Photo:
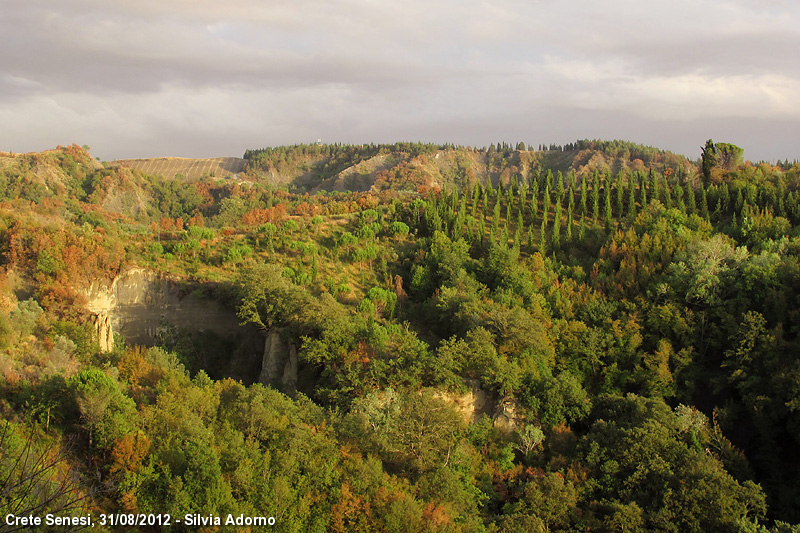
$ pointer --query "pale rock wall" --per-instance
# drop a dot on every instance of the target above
(279, 363)
(476, 402)
(139, 301)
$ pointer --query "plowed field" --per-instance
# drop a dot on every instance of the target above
(169, 167)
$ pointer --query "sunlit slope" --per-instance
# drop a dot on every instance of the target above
(191, 169)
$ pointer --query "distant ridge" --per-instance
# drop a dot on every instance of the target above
(191, 169)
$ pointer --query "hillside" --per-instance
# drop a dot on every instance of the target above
(185, 168)
(408, 337)
(408, 166)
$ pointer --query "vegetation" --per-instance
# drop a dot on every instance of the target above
(631, 318)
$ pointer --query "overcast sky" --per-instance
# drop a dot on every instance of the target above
(202, 78)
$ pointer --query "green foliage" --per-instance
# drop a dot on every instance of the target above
(453, 381)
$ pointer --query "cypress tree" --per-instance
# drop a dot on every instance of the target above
(546, 202)
(571, 180)
(530, 239)
(655, 192)
(543, 237)
(679, 202)
(470, 237)
(643, 191)
(557, 213)
(494, 230)
(792, 207)
(620, 190)
(569, 225)
(631, 202)
(560, 186)
(595, 197)
(667, 195)
(703, 202)
(571, 201)
(584, 194)
(556, 236)
(725, 197)
(691, 202)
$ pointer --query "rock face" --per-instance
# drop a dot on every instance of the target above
(105, 335)
(279, 363)
(472, 404)
(140, 303)
(507, 415)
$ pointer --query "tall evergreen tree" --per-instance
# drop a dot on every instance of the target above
(642, 191)
(595, 196)
(710, 160)
(584, 196)
(530, 239)
(679, 202)
(691, 203)
(655, 190)
(667, 195)
(543, 236)
(631, 202)
(546, 199)
(703, 202)
(570, 223)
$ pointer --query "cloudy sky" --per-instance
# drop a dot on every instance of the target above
(202, 78)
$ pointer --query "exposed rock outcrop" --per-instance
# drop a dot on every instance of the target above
(507, 416)
(476, 402)
(139, 304)
(105, 334)
(279, 363)
(472, 404)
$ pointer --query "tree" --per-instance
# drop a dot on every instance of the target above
(416, 430)
(595, 196)
(729, 156)
(36, 479)
(710, 160)
(268, 298)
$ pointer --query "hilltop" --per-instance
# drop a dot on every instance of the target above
(408, 166)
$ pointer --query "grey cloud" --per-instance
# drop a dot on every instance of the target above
(196, 77)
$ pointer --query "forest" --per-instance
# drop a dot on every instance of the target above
(599, 336)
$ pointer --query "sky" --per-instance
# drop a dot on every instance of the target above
(202, 78)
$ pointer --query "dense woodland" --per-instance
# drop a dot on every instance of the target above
(637, 312)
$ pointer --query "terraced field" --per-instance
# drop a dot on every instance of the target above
(169, 167)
